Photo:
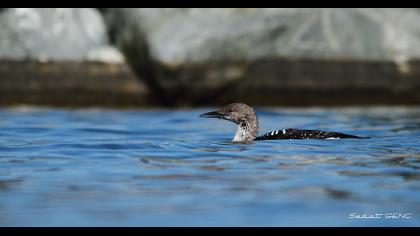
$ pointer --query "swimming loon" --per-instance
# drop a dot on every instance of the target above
(246, 119)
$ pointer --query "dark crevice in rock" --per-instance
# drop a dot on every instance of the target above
(129, 38)
(142, 64)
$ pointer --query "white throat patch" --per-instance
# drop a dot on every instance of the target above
(240, 134)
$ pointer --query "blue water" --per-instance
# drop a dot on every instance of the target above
(96, 167)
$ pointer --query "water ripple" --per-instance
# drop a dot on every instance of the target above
(166, 167)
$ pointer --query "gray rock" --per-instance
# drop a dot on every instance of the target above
(62, 57)
(54, 34)
(218, 55)
(106, 53)
(178, 36)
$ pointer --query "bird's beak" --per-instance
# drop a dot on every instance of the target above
(212, 114)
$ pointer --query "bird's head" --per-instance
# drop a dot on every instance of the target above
(238, 113)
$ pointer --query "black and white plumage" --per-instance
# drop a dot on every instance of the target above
(246, 119)
(303, 134)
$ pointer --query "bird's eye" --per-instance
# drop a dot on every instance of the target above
(230, 110)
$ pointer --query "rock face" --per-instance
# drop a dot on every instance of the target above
(177, 36)
(55, 34)
(221, 54)
(200, 35)
(63, 57)
(212, 56)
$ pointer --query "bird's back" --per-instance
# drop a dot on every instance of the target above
(303, 134)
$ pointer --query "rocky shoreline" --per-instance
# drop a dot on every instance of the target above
(299, 83)
(71, 84)
(192, 57)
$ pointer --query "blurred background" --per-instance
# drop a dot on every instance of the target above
(199, 57)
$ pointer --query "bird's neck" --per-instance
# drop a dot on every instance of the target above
(247, 130)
